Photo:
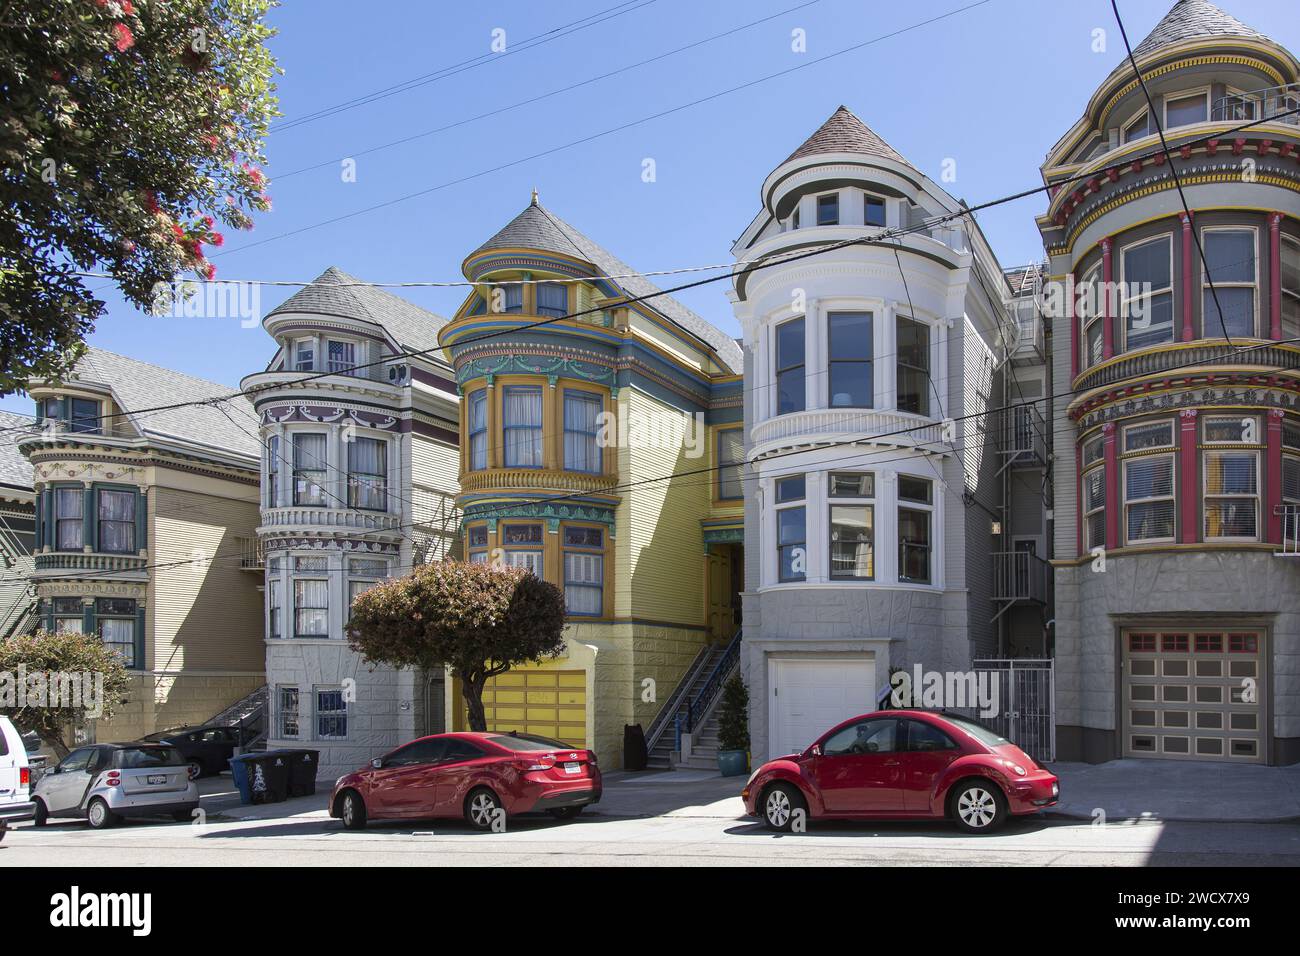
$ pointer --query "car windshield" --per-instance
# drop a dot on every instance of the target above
(978, 731)
(140, 758)
(527, 742)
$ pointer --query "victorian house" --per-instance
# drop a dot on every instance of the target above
(357, 420)
(1177, 451)
(143, 533)
(877, 514)
(600, 446)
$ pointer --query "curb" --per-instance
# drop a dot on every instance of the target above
(1149, 817)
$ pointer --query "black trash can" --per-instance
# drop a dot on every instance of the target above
(302, 772)
(634, 752)
(268, 777)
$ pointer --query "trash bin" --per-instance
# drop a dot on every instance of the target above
(239, 776)
(634, 750)
(302, 772)
(268, 776)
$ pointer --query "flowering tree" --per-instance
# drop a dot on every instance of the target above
(478, 619)
(50, 681)
(129, 130)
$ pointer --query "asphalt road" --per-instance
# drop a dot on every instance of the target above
(697, 836)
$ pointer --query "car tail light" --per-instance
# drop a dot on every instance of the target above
(113, 778)
(544, 762)
(24, 777)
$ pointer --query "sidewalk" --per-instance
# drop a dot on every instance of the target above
(1176, 790)
(219, 799)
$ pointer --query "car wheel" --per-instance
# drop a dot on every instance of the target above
(565, 813)
(99, 816)
(481, 808)
(42, 815)
(781, 802)
(195, 769)
(978, 806)
(352, 810)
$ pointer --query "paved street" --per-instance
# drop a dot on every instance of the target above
(675, 819)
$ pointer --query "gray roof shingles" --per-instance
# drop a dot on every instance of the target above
(15, 469)
(843, 132)
(334, 292)
(1193, 19)
(538, 228)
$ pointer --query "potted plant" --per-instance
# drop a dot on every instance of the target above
(733, 728)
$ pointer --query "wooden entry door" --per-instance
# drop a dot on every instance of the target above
(724, 580)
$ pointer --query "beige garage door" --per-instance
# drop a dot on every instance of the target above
(547, 703)
(1194, 694)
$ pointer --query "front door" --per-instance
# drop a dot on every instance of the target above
(860, 769)
(721, 615)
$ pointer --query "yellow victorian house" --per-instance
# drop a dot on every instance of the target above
(601, 446)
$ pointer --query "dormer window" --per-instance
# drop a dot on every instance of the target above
(1137, 127)
(828, 210)
(552, 299)
(341, 357)
(1186, 110)
(873, 212)
(76, 414)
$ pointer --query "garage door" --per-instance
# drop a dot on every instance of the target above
(548, 703)
(1194, 694)
(809, 697)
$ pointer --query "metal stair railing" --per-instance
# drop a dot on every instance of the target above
(699, 708)
(666, 713)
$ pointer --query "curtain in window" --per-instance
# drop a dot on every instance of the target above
(731, 451)
(117, 522)
(309, 469)
(478, 430)
(552, 299)
(342, 357)
(68, 511)
(311, 608)
(523, 427)
(367, 473)
(119, 635)
(584, 583)
(580, 427)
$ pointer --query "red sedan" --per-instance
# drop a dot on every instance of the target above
(902, 764)
(484, 777)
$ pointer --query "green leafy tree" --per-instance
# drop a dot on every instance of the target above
(733, 715)
(478, 619)
(55, 693)
(129, 130)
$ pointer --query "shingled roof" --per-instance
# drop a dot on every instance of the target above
(138, 385)
(1193, 19)
(15, 469)
(538, 228)
(845, 133)
(336, 293)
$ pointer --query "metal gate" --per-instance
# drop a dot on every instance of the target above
(1026, 703)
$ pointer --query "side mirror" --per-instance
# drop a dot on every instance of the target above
(377, 763)
(815, 750)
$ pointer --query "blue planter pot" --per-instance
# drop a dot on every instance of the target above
(733, 763)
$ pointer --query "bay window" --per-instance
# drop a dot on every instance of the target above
(913, 358)
(85, 415)
(581, 428)
(852, 525)
(522, 430)
(584, 570)
(115, 620)
(1094, 494)
(341, 358)
(552, 299)
(368, 474)
(1148, 298)
(1228, 283)
(274, 600)
(1231, 494)
(731, 459)
(273, 471)
(791, 529)
(69, 615)
(478, 434)
(828, 210)
(477, 540)
(69, 505)
(309, 480)
(522, 545)
(1290, 288)
(873, 211)
(304, 355)
(1186, 110)
(364, 574)
(1149, 498)
(311, 597)
(513, 297)
(849, 351)
(1137, 127)
(1090, 317)
(916, 500)
(790, 346)
(116, 521)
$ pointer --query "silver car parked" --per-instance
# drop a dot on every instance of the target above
(103, 783)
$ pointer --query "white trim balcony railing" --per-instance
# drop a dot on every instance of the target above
(250, 553)
(1290, 546)
(1019, 576)
(82, 564)
(826, 425)
(301, 518)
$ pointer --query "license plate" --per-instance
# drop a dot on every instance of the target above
(157, 778)
(573, 768)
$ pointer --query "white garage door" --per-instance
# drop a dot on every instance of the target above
(810, 696)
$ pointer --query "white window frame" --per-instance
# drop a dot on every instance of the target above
(1098, 465)
(296, 354)
(853, 501)
(1128, 124)
(777, 368)
(368, 578)
(1220, 448)
(839, 207)
(1203, 92)
(1171, 497)
(1086, 322)
(1253, 285)
(1290, 329)
(281, 712)
(317, 713)
(907, 504)
(296, 575)
(1125, 298)
(867, 197)
(777, 508)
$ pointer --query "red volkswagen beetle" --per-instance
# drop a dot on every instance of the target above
(475, 775)
(902, 764)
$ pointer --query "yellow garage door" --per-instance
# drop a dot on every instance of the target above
(547, 703)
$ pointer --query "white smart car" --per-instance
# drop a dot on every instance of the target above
(102, 783)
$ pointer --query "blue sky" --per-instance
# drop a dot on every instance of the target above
(991, 88)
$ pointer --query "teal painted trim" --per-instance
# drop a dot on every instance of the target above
(552, 510)
(139, 638)
(724, 535)
(141, 520)
(87, 618)
(89, 512)
(530, 365)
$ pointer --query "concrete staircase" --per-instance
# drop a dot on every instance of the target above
(661, 753)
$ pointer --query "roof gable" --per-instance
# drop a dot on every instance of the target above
(1193, 19)
(843, 132)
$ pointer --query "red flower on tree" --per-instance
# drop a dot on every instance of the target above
(123, 39)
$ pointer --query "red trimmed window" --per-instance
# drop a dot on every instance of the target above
(1141, 642)
(1243, 643)
(1174, 642)
(1209, 643)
